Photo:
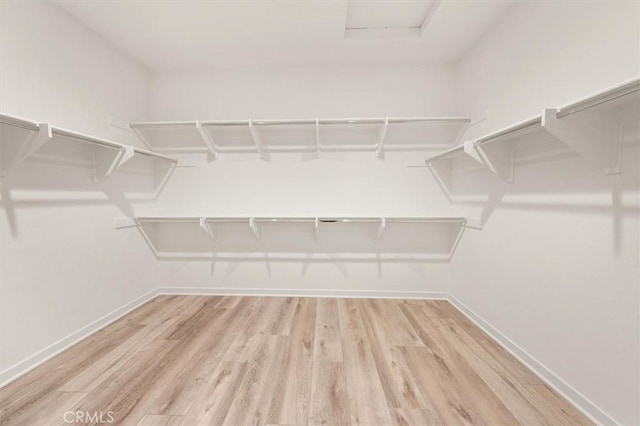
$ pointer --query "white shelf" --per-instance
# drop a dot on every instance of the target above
(22, 139)
(315, 135)
(594, 127)
(361, 238)
(173, 136)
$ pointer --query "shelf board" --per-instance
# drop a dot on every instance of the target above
(303, 135)
(173, 136)
(22, 139)
(594, 127)
(425, 238)
(622, 95)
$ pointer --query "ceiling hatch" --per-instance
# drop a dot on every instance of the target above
(388, 18)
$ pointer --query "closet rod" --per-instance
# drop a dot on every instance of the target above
(599, 98)
(306, 219)
(19, 122)
(154, 155)
(85, 138)
(446, 152)
(516, 128)
(107, 144)
(161, 123)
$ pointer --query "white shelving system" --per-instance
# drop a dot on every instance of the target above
(315, 135)
(582, 125)
(420, 238)
(21, 139)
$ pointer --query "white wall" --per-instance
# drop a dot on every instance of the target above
(556, 268)
(294, 185)
(63, 265)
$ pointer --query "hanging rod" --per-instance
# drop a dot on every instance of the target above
(227, 122)
(599, 98)
(429, 119)
(19, 122)
(445, 153)
(305, 219)
(102, 142)
(85, 138)
(153, 154)
(286, 219)
(303, 121)
(161, 123)
(508, 131)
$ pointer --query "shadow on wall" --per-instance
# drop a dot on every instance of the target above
(63, 176)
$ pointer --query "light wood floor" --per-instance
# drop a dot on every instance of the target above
(197, 360)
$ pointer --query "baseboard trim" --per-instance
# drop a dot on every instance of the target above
(582, 403)
(12, 373)
(355, 294)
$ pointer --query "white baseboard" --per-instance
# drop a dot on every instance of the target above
(369, 294)
(583, 404)
(28, 364)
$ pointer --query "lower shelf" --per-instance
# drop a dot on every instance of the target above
(302, 238)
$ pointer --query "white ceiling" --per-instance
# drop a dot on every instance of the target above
(227, 34)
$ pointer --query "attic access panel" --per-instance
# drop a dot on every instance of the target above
(388, 18)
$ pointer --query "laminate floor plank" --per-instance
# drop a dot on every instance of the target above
(265, 367)
(292, 406)
(396, 378)
(367, 401)
(54, 405)
(156, 420)
(415, 417)
(327, 343)
(477, 396)
(329, 400)
(88, 379)
(212, 404)
(294, 361)
(25, 392)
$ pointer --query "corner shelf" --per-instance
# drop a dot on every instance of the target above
(429, 238)
(22, 139)
(585, 126)
(314, 136)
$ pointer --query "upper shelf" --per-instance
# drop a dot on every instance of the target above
(22, 139)
(302, 135)
(594, 127)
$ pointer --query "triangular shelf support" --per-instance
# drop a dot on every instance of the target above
(206, 227)
(108, 161)
(590, 144)
(19, 154)
(498, 158)
(254, 227)
(257, 140)
(381, 137)
(383, 224)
